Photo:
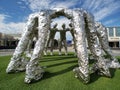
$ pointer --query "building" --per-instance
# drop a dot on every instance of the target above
(114, 36)
(8, 41)
(11, 40)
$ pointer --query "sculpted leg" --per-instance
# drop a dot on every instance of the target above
(60, 47)
(103, 38)
(17, 63)
(28, 50)
(51, 46)
(33, 38)
(95, 47)
(72, 33)
(33, 70)
(82, 72)
(47, 44)
(65, 45)
(46, 47)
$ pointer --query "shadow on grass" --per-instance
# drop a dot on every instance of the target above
(61, 63)
(118, 59)
(56, 58)
(49, 75)
(94, 77)
(112, 71)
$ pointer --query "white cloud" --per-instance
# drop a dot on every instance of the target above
(11, 27)
(110, 7)
(37, 5)
(111, 21)
(19, 2)
(100, 8)
(64, 4)
(2, 17)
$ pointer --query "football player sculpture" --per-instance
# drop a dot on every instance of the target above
(62, 41)
(50, 40)
(84, 28)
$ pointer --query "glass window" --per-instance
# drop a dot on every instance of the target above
(111, 32)
(117, 31)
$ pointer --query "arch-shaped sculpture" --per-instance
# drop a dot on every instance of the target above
(83, 27)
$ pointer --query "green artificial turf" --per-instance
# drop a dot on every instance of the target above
(58, 76)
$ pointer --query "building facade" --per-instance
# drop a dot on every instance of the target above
(8, 41)
(12, 39)
(114, 36)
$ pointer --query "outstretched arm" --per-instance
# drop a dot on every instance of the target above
(71, 26)
(55, 26)
(64, 26)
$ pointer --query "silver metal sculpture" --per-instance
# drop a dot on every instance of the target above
(84, 27)
(63, 39)
(103, 39)
(72, 33)
(50, 40)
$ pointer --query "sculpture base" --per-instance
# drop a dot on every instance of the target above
(33, 74)
(17, 65)
(81, 76)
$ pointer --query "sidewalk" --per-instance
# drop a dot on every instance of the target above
(5, 52)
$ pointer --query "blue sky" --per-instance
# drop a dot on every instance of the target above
(14, 13)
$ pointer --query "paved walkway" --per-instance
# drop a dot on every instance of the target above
(6, 52)
(116, 52)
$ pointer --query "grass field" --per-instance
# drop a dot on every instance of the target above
(58, 76)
